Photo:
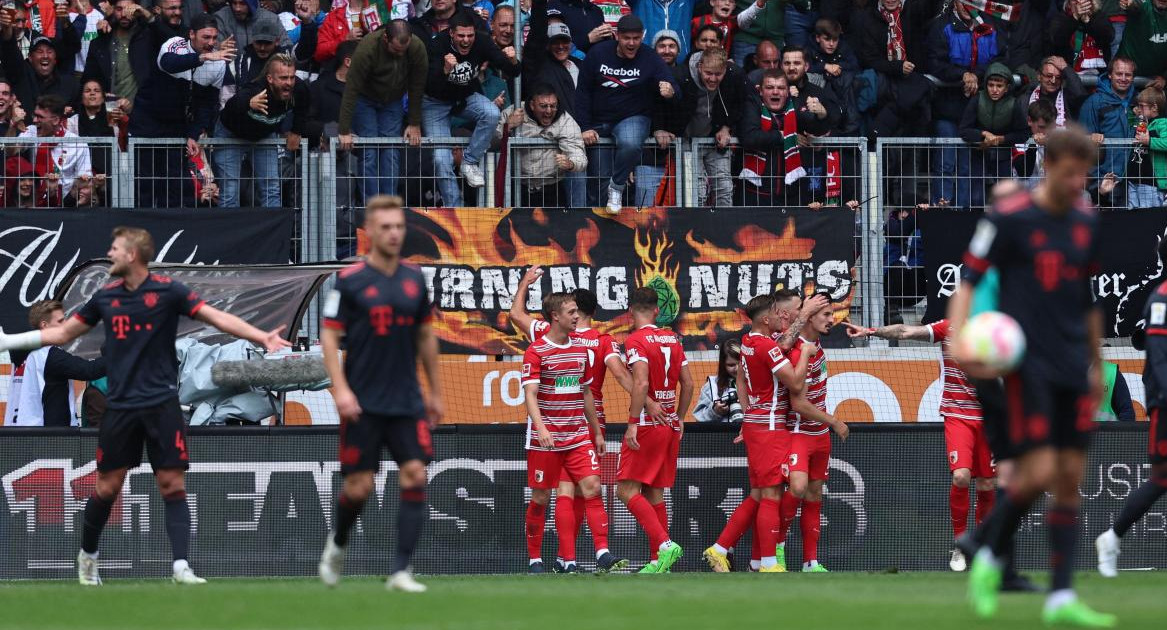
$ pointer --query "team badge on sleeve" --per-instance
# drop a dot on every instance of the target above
(1158, 314)
(526, 370)
(775, 354)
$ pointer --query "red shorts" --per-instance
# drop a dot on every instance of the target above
(545, 467)
(968, 447)
(766, 454)
(810, 454)
(654, 464)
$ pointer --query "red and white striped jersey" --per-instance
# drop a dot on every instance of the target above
(959, 400)
(560, 371)
(599, 346)
(767, 401)
(661, 350)
(816, 390)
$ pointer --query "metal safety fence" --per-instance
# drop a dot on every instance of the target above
(885, 185)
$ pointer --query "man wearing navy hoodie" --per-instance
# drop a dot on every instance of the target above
(618, 86)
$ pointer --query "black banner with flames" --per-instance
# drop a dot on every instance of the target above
(704, 264)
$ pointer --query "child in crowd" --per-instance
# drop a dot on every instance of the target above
(723, 18)
(991, 122)
(833, 58)
(1147, 169)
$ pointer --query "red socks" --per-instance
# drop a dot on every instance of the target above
(565, 526)
(597, 521)
(647, 517)
(985, 501)
(536, 517)
(789, 509)
(579, 508)
(958, 509)
(768, 523)
(812, 512)
(741, 520)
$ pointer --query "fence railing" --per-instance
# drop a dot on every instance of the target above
(328, 186)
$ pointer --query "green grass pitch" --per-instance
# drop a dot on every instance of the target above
(931, 601)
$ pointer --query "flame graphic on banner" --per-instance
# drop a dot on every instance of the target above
(658, 269)
(785, 246)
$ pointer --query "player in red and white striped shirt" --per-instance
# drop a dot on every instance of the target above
(772, 389)
(969, 456)
(604, 357)
(648, 462)
(561, 410)
(810, 445)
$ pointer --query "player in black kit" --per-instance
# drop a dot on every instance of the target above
(1155, 383)
(140, 310)
(1044, 245)
(382, 309)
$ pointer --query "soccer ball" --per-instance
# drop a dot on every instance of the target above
(993, 339)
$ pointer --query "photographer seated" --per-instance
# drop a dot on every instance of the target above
(718, 401)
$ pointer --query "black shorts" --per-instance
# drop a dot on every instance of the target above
(360, 442)
(1156, 438)
(123, 431)
(1041, 413)
(991, 395)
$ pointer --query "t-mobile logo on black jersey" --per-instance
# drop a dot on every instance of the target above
(618, 77)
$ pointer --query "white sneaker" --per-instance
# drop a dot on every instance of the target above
(183, 574)
(473, 175)
(331, 562)
(403, 581)
(957, 562)
(615, 200)
(1107, 546)
(87, 570)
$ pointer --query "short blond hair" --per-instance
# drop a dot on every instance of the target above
(138, 239)
(384, 202)
(42, 311)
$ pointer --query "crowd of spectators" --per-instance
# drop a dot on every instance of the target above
(759, 81)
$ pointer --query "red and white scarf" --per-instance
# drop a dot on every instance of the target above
(44, 162)
(1059, 105)
(754, 162)
(1005, 10)
(895, 34)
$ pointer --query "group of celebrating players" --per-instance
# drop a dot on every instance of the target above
(1032, 257)
(785, 429)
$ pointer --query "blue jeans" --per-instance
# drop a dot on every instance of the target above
(379, 167)
(950, 171)
(576, 184)
(799, 26)
(435, 122)
(741, 50)
(1143, 196)
(265, 169)
(647, 183)
(615, 165)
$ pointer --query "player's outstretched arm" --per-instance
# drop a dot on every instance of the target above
(232, 325)
(520, 319)
(902, 332)
(428, 351)
(810, 306)
(347, 405)
(33, 339)
(61, 335)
